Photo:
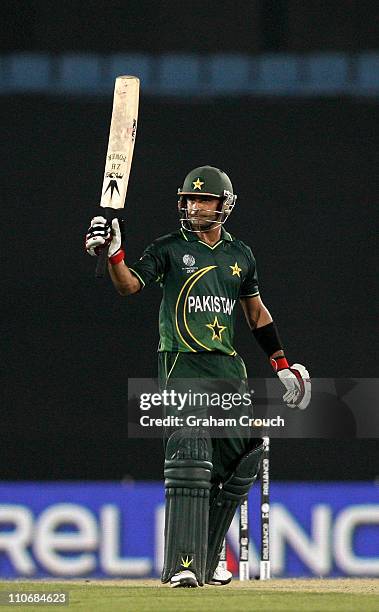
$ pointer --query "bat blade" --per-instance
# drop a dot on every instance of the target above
(122, 135)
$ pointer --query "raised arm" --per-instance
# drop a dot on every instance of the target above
(100, 234)
(123, 279)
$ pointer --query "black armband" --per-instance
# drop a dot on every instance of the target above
(268, 338)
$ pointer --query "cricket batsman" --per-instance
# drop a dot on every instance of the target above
(203, 271)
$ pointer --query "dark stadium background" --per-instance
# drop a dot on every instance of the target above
(304, 170)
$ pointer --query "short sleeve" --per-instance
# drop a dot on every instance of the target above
(151, 266)
(249, 285)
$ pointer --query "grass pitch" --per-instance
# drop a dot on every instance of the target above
(324, 595)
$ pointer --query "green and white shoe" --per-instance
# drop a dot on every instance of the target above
(220, 577)
(184, 579)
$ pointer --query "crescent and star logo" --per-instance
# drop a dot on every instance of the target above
(187, 304)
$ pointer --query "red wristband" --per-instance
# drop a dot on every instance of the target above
(279, 363)
(117, 257)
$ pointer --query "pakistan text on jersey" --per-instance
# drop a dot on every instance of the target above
(210, 303)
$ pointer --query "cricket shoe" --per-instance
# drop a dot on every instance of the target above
(186, 579)
(220, 577)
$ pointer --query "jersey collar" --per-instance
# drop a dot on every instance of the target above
(192, 237)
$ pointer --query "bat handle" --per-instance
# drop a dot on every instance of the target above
(102, 262)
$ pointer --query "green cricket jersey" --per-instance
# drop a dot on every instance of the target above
(201, 287)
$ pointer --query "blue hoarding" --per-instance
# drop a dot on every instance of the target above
(106, 529)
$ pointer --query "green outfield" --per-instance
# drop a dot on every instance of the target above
(340, 595)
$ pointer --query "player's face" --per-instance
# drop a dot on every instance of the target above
(202, 211)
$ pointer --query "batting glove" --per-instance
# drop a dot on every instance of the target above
(116, 252)
(98, 236)
(296, 380)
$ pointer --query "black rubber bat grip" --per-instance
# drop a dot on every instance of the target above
(102, 262)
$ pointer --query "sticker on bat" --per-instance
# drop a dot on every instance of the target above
(116, 175)
(119, 156)
(112, 186)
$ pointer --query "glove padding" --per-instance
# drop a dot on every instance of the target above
(297, 382)
(100, 234)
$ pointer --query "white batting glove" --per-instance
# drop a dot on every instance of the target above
(98, 236)
(115, 245)
(297, 382)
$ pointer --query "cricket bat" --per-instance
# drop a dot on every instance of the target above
(118, 162)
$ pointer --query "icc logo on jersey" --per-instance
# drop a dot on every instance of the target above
(189, 260)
